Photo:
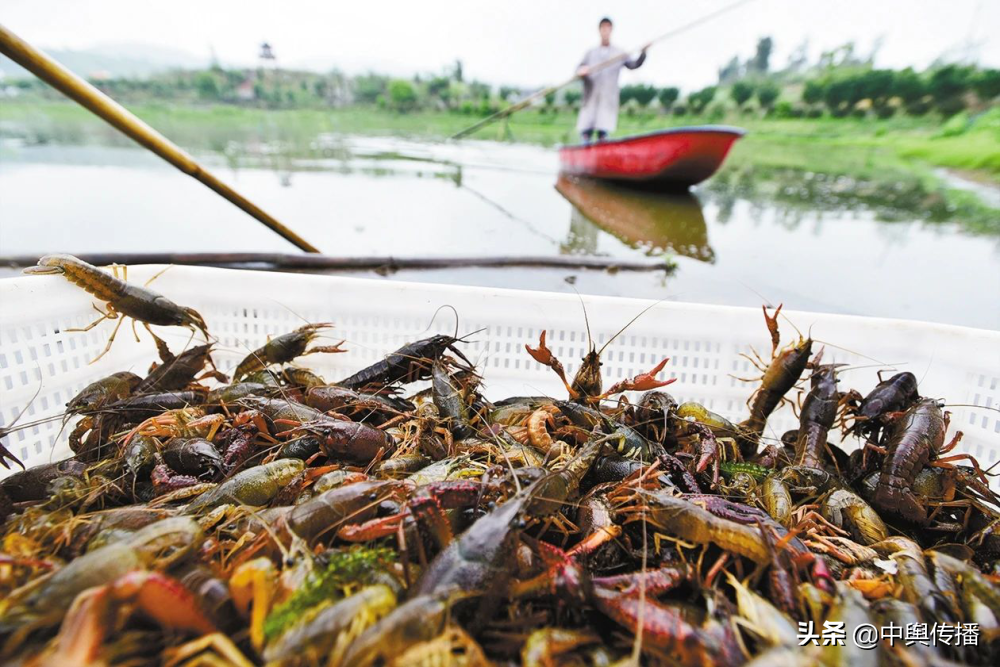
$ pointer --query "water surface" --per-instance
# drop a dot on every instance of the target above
(813, 241)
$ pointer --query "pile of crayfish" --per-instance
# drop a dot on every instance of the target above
(271, 516)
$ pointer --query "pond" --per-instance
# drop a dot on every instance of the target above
(752, 234)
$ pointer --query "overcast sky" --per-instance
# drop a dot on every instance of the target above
(526, 42)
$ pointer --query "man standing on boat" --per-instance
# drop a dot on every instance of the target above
(599, 113)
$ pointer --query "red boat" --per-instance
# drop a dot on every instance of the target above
(668, 160)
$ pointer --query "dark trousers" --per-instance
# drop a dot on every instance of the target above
(588, 135)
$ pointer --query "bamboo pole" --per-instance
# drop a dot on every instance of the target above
(385, 264)
(514, 108)
(69, 84)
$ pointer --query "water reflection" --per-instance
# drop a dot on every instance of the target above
(648, 221)
(803, 196)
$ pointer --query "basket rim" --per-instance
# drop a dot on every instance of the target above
(140, 270)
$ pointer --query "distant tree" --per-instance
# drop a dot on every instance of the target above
(437, 86)
(767, 93)
(639, 92)
(799, 58)
(813, 91)
(986, 83)
(478, 90)
(457, 72)
(697, 101)
(402, 95)
(762, 58)
(947, 86)
(207, 86)
(731, 71)
(741, 92)
(842, 56)
(838, 94)
(908, 86)
(572, 96)
(506, 92)
(876, 85)
(320, 87)
(368, 87)
(668, 96)
(550, 98)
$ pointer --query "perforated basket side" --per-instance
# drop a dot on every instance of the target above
(705, 344)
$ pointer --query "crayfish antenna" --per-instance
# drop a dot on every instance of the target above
(434, 316)
(586, 320)
(630, 323)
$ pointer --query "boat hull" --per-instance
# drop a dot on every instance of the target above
(668, 160)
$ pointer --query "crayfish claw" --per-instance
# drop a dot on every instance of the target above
(772, 327)
(542, 354)
(642, 381)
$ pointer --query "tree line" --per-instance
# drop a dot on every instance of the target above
(840, 83)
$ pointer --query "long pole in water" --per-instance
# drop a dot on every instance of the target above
(517, 106)
(69, 84)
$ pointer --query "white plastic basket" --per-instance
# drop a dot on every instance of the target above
(704, 343)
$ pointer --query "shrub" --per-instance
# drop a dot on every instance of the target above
(885, 111)
(767, 93)
(839, 94)
(668, 96)
(782, 109)
(908, 86)
(918, 107)
(207, 86)
(876, 85)
(741, 92)
(368, 87)
(701, 99)
(987, 84)
(948, 85)
(402, 95)
(641, 93)
(813, 91)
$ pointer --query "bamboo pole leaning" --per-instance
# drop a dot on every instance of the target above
(69, 84)
(325, 263)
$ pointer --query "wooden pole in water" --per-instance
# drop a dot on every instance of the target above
(514, 108)
(69, 84)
